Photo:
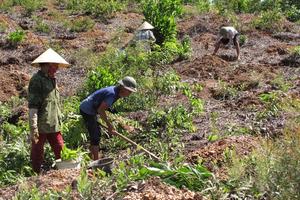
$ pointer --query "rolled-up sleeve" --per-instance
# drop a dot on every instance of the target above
(35, 98)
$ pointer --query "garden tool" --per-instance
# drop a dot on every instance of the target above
(137, 145)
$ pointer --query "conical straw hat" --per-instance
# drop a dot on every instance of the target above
(145, 26)
(50, 56)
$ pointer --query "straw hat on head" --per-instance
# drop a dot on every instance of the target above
(145, 26)
(128, 83)
(50, 56)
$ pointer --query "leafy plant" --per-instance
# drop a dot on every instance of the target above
(272, 105)
(270, 20)
(295, 50)
(225, 91)
(68, 154)
(191, 177)
(280, 83)
(81, 24)
(41, 26)
(203, 6)
(16, 37)
(84, 185)
(161, 14)
(97, 8)
(242, 39)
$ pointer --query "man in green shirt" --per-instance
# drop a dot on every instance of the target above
(44, 107)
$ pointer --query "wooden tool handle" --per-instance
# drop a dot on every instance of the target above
(137, 145)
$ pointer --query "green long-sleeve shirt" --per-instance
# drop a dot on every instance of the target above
(44, 96)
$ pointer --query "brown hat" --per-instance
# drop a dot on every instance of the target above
(50, 56)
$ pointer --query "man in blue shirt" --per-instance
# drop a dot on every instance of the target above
(97, 103)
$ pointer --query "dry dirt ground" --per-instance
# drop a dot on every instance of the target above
(262, 60)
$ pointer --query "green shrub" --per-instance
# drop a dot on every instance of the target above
(30, 5)
(41, 26)
(271, 20)
(14, 160)
(293, 14)
(97, 8)
(271, 169)
(242, 39)
(203, 6)
(82, 24)
(229, 6)
(184, 176)
(16, 37)
(69, 154)
(162, 14)
(295, 50)
(273, 104)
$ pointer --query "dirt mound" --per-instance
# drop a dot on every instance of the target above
(216, 152)
(154, 189)
(55, 180)
(207, 67)
(293, 60)
(280, 49)
(12, 83)
(286, 36)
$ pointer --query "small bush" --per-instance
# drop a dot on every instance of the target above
(242, 39)
(16, 37)
(162, 14)
(271, 20)
(272, 169)
(203, 6)
(41, 26)
(31, 5)
(295, 50)
(82, 24)
(293, 14)
(97, 8)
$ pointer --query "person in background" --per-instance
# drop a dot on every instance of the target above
(44, 108)
(98, 103)
(228, 35)
(145, 33)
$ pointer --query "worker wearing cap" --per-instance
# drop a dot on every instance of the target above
(44, 107)
(97, 103)
(228, 35)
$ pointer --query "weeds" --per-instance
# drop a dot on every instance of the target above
(191, 177)
(272, 103)
(280, 84)
(29, 5)
(161, 14)
(271, 20)
(81, 24)
(15, 38)
(96, 8)
(41, 26)
(270, 171)
(225, 91)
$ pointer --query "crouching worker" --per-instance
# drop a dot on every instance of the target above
(44, 107)
(98, 103)
(228, 35)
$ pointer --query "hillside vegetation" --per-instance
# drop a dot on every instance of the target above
(223, 128)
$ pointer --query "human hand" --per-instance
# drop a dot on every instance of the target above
(34, 135)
